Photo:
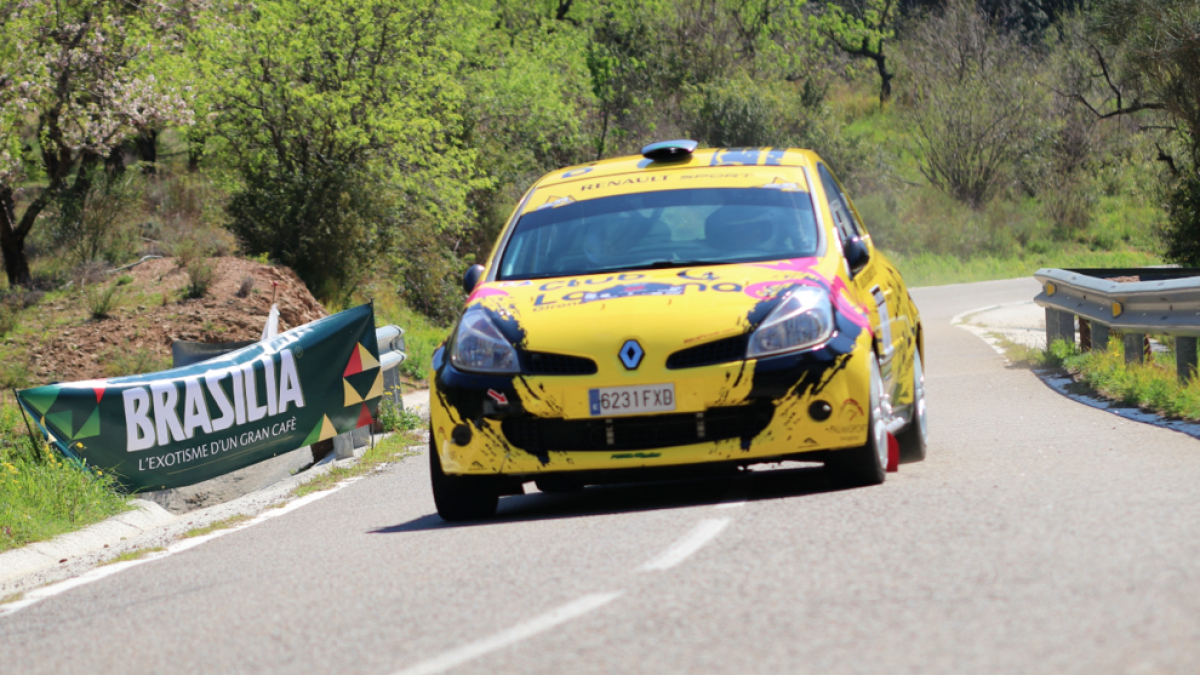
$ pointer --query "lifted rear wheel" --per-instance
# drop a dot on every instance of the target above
(461, 497)
(867, 464)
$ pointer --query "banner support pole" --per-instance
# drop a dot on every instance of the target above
(25, 416)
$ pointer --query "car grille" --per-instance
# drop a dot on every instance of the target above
(710, 353)
(541, 363)
(537, 434)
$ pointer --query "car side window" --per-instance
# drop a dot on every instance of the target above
(842, 216)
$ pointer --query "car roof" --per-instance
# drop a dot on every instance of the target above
(709, 157)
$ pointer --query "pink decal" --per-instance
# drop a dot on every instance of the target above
(766, 289)
(837, 291)
(793, 265)
(485, 292)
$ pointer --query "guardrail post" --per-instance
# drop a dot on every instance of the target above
(1185, 358)
(391, 387)
(1135, 348)
(1099, 337)
(1059, 324)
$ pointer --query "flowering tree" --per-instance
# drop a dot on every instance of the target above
(77, 77)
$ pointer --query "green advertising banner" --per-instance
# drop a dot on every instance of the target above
(193, 423)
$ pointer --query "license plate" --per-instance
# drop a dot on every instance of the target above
(647, 398)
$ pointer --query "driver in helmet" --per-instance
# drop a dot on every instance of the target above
(741, 229)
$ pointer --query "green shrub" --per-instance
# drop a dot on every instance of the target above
(394, 417)
(8, 320)
(101, 225)
(201, 274)
(102, 299)
(1182, 233)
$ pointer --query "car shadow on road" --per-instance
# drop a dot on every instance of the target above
(749, 486)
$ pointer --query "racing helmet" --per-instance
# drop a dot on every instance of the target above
(739, 228)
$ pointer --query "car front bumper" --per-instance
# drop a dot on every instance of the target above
(744, 412)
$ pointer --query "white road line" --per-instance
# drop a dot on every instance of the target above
(731, 504)
(513, 635)
(693, 541)
(35, 596)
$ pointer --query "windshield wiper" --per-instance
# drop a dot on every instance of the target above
(664, 264)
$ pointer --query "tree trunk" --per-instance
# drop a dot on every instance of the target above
(115, 162)
(12, 243)
(195, 150)
(147, 145)
(885, 78)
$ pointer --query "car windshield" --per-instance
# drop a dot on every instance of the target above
(671, 228)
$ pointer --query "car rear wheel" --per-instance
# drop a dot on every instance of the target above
(461, 497)
(867, 464)
(912, 439)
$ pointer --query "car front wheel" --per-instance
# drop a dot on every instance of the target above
(867, 464)
(461, 497)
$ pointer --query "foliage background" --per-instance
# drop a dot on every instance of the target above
(381, 144)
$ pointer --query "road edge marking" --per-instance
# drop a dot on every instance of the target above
(704, 532)
(511, 636)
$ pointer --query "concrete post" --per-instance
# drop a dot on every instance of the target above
(362, 436)
(346, 445)
(1135, 348)
(1185, 358)
(343, 445)
(1099, 337)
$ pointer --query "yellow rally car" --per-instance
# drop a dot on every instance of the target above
(649, 316)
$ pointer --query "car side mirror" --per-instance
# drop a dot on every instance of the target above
(471, 278)
(857, 254)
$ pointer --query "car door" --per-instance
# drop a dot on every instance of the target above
(876, 285)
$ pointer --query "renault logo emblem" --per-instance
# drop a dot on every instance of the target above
(631, 354)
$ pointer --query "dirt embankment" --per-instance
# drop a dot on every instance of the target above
(62, 341)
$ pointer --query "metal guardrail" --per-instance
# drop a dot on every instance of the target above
(391, 346)
(1163, 301)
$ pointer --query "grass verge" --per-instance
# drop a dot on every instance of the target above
(43, 495)
(1152, 385)
(133, 555)
(391, 449)
(929, 269)
(219, 525)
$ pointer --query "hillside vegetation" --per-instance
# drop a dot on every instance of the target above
(382, 143)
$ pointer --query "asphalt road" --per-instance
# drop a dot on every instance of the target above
(1041, 536)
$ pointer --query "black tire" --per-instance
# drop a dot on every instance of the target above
(914, 436)
(866, 464)
(461, 497)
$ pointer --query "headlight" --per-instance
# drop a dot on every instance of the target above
(479, 346)
(803, 319)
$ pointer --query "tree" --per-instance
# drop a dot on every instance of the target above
(1159, 41)
(862, 28)
(342, 131)
(973, 102)
(78, 78)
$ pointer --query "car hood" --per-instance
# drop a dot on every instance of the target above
(664, 310)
